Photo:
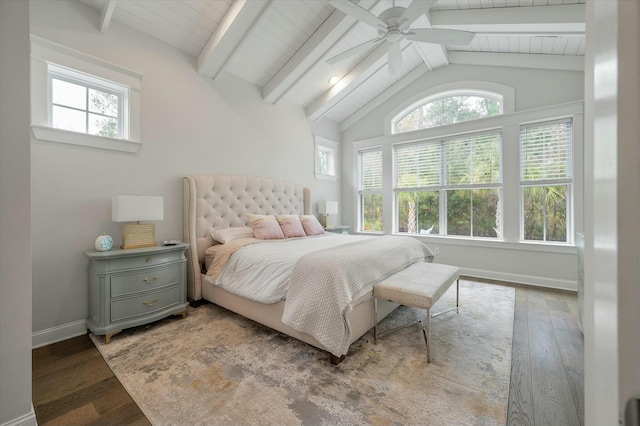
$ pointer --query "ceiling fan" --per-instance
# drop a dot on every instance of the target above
(393, 26)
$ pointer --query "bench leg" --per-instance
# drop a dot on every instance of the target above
(426, 328)
(375, 321)
(458, 295)
(426, 332)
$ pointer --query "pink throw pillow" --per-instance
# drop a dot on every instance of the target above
(265, 227)
(311, 225)
(291, 225)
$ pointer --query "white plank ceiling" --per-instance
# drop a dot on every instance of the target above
(282, 45)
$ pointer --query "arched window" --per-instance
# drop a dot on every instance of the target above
(447, 108)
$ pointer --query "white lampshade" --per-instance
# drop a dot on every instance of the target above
(328, 207)
(134, 208)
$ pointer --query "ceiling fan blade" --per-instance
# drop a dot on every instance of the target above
(354, 50)
(395, 60)
(414, 11)
(357, 12)
(441, 36)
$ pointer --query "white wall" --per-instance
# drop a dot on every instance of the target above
(15, 231)
(511, 261)
(612, 270)
(190, 125)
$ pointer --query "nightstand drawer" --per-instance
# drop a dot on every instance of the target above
(145, 304)
(128, 288)
(149, 279)
(149, 259)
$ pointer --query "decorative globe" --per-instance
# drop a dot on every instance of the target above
(104, 243)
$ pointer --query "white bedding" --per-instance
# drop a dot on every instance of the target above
(325, 285)
(262, 272)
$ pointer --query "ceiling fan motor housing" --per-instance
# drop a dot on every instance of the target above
(391, 17)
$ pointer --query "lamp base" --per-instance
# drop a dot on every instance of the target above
(138, 236)
(327, 220)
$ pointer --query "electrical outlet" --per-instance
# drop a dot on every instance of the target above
(436, 250)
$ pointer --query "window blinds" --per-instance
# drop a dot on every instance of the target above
(371, 170)
(546, 152)
(461, 161)
(417, 165)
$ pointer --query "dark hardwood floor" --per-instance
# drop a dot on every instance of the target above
(547, 376)
(72, 384)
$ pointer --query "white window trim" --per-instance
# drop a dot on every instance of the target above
(360, 193)
(442, 187)
(451, 89)
(569, 182)
(45, 52)
(510, 123)
(329, 145)
(90, 82)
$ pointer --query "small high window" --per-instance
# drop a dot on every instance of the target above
(326, 159)
(86, 104)
(83, 100)
(443, 109)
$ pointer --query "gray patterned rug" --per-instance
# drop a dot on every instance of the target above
(215, 367)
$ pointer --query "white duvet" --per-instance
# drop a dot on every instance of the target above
(262, 272)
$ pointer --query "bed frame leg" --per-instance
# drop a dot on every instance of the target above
(335, 360)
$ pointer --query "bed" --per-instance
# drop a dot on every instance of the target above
(214, 202)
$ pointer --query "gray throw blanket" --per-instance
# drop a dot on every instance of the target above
(325, 284)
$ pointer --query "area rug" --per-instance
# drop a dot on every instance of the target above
(216, 367)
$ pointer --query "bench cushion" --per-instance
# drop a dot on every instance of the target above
(420, 285)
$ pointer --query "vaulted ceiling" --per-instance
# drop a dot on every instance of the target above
(282, 45)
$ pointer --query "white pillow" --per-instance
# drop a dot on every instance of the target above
(225, 235)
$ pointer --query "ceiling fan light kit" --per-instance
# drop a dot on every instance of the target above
(394, 26)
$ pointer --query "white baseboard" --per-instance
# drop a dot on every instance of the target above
(28, 419)
(58, 333)
(533, 280)
(67, 331)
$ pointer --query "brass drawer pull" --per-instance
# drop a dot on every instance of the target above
(149, 259)
(153, 302)
(147, 280)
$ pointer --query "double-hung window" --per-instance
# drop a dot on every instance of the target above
(450, 186)
(370, 189)
(545, 180)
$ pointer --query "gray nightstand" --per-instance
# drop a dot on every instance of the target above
(338, 229)
(133, 287)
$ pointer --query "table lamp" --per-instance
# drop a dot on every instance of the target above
(328, 211)
(135, 208)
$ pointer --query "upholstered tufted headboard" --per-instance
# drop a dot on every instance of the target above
(220, 201)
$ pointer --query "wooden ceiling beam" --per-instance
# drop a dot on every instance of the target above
(518, 60)
(360, 73)
(559, 19)
(237, 23)
(323, 39)
(106, 13)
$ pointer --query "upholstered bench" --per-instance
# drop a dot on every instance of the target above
(420, 285)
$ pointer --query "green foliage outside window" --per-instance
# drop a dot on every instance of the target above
(469, 183)
(371, 212)
(448, 110)
(105, 105)
(546, 176)
(545, 213)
